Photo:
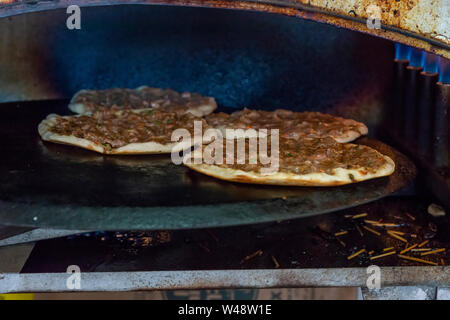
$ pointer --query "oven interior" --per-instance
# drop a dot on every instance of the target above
(243, 59)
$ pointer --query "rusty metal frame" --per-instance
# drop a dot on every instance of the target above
(400, 22)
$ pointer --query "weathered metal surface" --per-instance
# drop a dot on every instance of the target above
(36, 235)
(286, 278)
(428, 17)
(420, 23)
(13, 258)
(425, 138)
(56, 186)
(443, 294)
(6, 232)
(400, 293)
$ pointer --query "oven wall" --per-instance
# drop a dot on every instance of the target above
(244, 59)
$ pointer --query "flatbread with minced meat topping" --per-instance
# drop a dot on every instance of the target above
(111, 131)
(302, 162)
(144, 97)
(292, 125)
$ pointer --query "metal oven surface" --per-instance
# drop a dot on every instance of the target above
(55, 186)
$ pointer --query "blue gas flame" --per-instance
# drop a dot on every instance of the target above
(444, 70)
(415, 59)
(429, 62)
(402, 52)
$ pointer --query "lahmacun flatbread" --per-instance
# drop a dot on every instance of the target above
(292, 125)
(110, 131)
(303, 162)
(86, 101)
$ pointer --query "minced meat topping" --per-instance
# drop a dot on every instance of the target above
(141, 98)
(291, 124)
(304, 155)
(114, 129)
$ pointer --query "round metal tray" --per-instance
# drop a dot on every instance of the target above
(55, 186)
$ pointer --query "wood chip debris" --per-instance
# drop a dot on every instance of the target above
(410, 216)
(341, 242)
(382, 224)
(361, 215)
(397, 232)
(396, 236)
(356, 254)
(258, 252)
(417, 260)
(371, 230)
(433, 252)
(383, 255)
(387, 225)
(275, 261)
(409, 248)
(359, 230)
(423, 243)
